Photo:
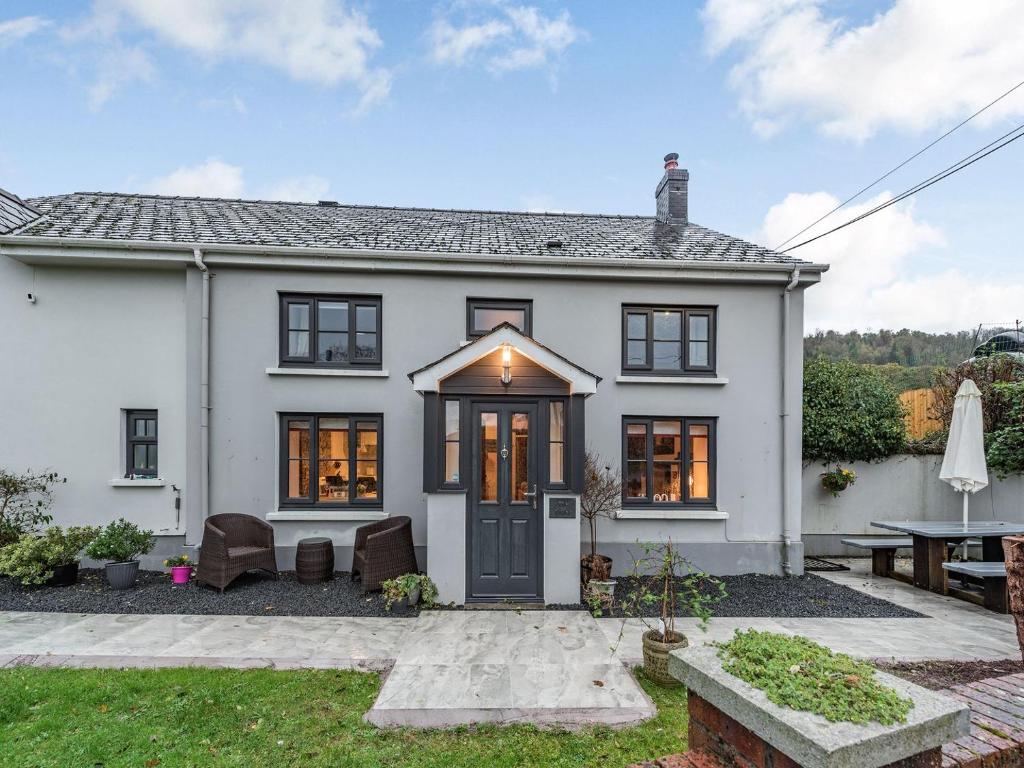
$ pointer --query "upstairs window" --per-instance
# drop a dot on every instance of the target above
(331, 331)
(484, 315)
(668, 340)
(141, 442)
(668, 462)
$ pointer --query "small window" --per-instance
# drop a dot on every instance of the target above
(484, 315)
(556, 442)
(668, 340)
(451, 443)
(331, 331)
(141, 443)
(668, 461)
(331, 460)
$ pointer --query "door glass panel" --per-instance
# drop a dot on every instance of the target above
(520, 456)
(556, 439)
(333, 460)
(451, 441)
(488, 456)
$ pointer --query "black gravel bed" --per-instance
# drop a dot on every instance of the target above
(252, 594)
(755, 595)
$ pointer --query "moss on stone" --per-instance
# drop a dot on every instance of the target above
(798, 673)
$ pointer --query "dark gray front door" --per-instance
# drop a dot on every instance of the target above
(504, 522)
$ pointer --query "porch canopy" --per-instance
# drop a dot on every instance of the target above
(504, 365)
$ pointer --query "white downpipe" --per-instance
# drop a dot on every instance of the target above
(204, 389)
(787, 534)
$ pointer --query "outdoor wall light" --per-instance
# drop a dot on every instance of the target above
(506, 364)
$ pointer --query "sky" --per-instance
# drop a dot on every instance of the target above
(778, 108)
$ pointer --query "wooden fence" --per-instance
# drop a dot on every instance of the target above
(920, 409)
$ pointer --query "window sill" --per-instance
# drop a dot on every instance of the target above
(327, 515)
(354, 372)
(142, 482)
(672, 513)
(713, 380)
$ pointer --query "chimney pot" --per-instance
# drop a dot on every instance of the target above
(672, 193)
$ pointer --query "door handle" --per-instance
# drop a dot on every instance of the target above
(532, 496)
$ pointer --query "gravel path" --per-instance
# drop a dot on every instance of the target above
(252, 594)
(752, 595)
(756, 595)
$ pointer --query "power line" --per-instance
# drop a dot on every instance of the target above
(958, 166)
(893, 170)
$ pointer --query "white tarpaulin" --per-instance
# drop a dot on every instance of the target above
(963, 466)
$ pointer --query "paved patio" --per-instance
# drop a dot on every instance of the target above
(451, 667)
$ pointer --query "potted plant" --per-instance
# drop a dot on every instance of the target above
(50, 558)
(664, 578)
(602, 495)
(837, 480)
(121, 543)
(408, 589)
(181, 568)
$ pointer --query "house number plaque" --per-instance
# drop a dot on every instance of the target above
(562, 508)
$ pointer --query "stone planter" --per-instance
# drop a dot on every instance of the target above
(63, 575)
(122, 575)
(1013, 554)
(737, 724)
(656, 657)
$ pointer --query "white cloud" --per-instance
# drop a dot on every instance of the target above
(303, 189)
(118, 66)
(319, 41)
(875, 280)
(920, 64)
(215, 178)
(515, 38)
(13, 30)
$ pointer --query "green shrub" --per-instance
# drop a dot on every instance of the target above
(851, 413)
(987, 373)
(31, 559)
(25, 499)
(1005, 454)
(120, 542)
(797, 673)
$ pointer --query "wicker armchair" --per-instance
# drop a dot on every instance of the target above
(232, 545)
(383, 551)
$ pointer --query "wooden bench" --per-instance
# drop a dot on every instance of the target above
(883, 553)
(991, 576)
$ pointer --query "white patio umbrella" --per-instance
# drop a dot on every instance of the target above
(963, 466)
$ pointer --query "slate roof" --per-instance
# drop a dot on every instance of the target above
(209, 221)
(14, 212)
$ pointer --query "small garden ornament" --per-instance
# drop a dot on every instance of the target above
(121, 543)
(181, 568)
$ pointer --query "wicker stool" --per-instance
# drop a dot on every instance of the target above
(314, 560)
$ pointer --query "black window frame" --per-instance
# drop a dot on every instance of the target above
(474, 303)
(312, 501)
(685, 422)
(132, 415)
(312, 300)
(686, 312)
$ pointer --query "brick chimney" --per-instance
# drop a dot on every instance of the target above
(672, 191)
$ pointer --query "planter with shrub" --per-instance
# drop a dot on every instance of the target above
(602, 495)
(50, 558)
(408, 590)
(121, 543)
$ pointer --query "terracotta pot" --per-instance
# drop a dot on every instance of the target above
(1013, 553)
(63, 575)
(656, 651)
(587, 570)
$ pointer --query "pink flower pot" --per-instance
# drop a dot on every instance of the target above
(180, 574)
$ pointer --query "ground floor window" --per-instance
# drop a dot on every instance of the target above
(331, 459)
(141, 441)
(668, 461)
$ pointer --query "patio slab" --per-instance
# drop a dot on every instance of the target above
(552, 668)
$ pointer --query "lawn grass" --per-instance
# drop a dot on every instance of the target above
(208, 717)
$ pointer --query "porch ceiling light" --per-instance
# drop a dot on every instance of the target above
(506, 364)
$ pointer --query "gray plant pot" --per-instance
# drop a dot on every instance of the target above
(412, 598)
(122, 575)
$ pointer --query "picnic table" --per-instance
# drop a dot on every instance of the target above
(931, 540)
